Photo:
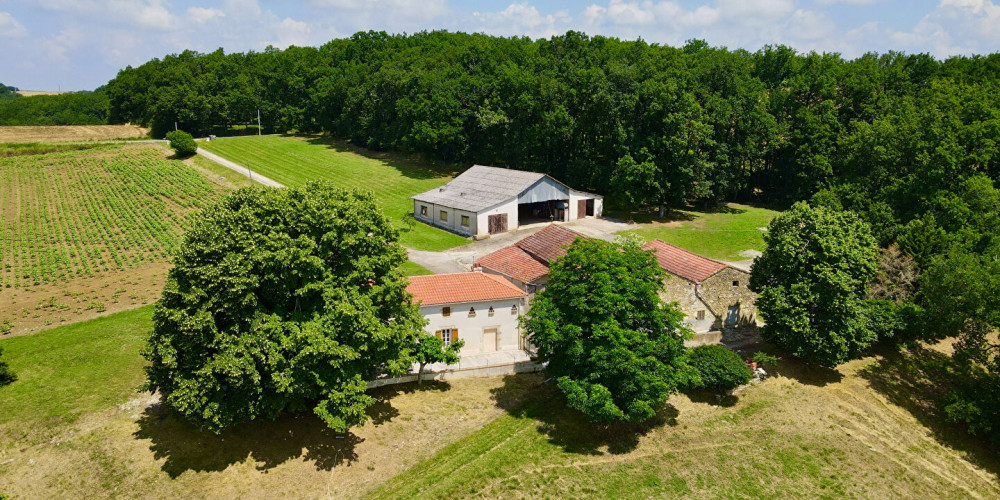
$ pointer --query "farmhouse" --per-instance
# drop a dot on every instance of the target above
(481, 309)
(489, 200)
(714, 296)
(526, 263)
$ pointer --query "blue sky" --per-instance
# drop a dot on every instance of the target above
(80, 44)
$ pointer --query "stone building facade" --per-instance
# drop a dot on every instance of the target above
(714, 297)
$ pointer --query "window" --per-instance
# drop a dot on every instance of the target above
(701, 314)
(465, 220)
(472, 312)
(491, 311)
(446, 336)
(513, 310)
(444, 216)
(423, 210)
(736, 283)
(446, 311)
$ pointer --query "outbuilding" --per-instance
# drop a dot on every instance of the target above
(489, 200)
(714, 296)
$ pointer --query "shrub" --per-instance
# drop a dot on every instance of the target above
(6, 375)
(764, 359)
(182, 143)
(717, 368)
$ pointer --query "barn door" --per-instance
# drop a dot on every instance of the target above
(581, 209)
(498, 223)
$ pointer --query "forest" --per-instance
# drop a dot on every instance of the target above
(71, 108)
(908, 142)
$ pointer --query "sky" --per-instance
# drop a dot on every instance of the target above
(81, 44)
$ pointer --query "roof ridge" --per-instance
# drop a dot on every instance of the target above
(690, 252)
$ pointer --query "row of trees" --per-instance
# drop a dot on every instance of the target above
(645, 123)
(72, 108)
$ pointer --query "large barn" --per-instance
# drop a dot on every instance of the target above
(490, 200)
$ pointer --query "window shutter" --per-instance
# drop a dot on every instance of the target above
(438, 333)
(454, 335)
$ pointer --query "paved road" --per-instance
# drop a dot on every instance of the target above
(240, 169)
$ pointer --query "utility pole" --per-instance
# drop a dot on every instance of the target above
(258, 122)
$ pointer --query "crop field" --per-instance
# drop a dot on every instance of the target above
(68, 133)
(393, 178)
(71, 215)
(73, 425)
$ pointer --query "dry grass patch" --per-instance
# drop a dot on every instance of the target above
(803, 434)
(69, 133)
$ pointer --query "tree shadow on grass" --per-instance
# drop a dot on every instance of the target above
(268, 443)
(408, 165)
(527, 396)
(712, 398)
(805, 373)
(919, 380)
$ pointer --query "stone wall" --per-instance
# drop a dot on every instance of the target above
(682, 291)
(728, 296)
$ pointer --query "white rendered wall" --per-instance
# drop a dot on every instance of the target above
(471, 329)
(509, 207)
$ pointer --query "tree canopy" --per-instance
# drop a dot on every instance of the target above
(282, 300)
(674, 125)
(611, 343)
(6, 374)
(812, 281)
(71, 108)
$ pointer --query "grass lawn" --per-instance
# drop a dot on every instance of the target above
(72, 370)
(393, 178)
(720, 234)
(802, 434)
(411, 268)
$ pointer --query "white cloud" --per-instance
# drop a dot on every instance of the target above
(202, 15)
(292, 32)
(520, 19)
(10, 27)
(390, 9)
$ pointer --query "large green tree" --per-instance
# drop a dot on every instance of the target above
(610, 342)
(282, 300)
(811, 282)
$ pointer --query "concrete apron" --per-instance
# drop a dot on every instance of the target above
(490, 364)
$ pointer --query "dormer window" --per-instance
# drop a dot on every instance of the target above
(445, 311)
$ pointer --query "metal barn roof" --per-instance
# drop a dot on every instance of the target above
(481, 187)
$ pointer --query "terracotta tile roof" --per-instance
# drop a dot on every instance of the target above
(550, 243)
(680, 262)
(461, 287)
(514, 262)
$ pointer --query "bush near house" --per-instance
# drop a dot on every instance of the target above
(717, 369)
(182, 143)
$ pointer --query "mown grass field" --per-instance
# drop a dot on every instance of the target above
(73, 425)
(719, 234)
(75, 214)
(65, 133)
(393, 178)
